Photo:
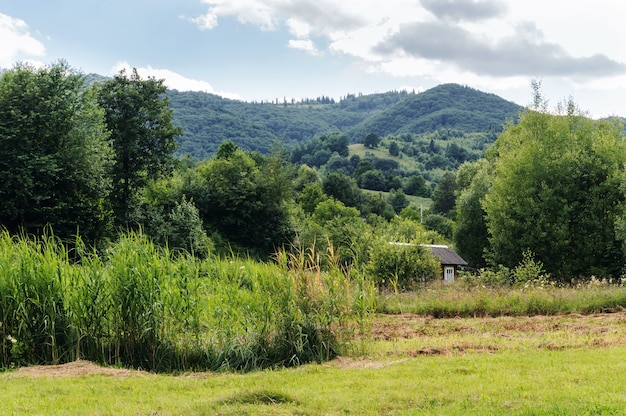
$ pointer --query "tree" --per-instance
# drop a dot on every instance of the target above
(394, 150)
(402, 266)
(138, 115)
(471, 238)
(373, 180)
(311, 195)
(557, 190)
(378, 205)
(343, 188)
(440, 224)
(55, 153)
(244, 199)
(416, 185)
(444, 197)
(398, 200)
(371, 140)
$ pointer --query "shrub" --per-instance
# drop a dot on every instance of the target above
(402, 266)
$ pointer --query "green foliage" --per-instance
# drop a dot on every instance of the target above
(448, 106)
(343, 188)
(394, 150)
(556, 189)
(306, 175)
(55, 154)
(208, 120)
(371, 140)
(186, 230)
(471, 237)
(142, 307)
(373, 180)
(416, 185)
(398, 200)
(317, 152)
(138, 115)
(379, 205)
(444, 198)
(529, 270)
(402, 266)
(439, 223)
(311, 196)
(244, 199)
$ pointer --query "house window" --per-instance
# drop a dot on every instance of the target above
(448, 274)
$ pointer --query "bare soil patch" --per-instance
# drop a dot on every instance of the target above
(407, 326)
(74, 369)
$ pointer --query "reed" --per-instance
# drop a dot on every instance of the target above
(140, 306)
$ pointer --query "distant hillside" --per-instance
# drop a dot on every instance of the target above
(207, 120)
(448, 106)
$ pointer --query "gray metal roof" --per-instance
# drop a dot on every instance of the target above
(446, 255)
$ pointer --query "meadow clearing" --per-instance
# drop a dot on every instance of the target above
(410, 364)
(140, 332)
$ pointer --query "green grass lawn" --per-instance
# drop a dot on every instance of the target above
(412, 365)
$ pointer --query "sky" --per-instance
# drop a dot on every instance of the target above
(263, 50)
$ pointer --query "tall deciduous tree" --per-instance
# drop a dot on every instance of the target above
(243, 198)
(55, 154)
(471, 238)
(371, 140)
(138, 115)
(557, 190)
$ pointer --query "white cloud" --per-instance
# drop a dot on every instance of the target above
(17, 42)
(298, 28)
(464, 35)
(205, 22)
(172, 79)
(494, 45)
(322, 16)
(306, 45)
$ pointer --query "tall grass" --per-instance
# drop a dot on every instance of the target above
(144, 307)
(458, 301)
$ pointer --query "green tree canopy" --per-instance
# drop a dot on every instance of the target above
(371, 140)
(471, 238)
(343, 188)
(444, 197)
(557, 190)
(55, 153)
(138, 115)
(244, 199)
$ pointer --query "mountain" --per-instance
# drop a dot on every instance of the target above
(207, 120)
(448, 106)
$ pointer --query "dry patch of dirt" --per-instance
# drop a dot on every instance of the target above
(408, 326)
(73, 369)
(349, 362)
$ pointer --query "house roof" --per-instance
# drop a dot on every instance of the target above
(446, 255)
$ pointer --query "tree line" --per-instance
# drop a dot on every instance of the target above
(551, 191)
(75, 158)
(97, 159)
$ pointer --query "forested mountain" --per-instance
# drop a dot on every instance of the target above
(448, 106)
(207, 120)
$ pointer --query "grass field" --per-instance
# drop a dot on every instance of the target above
(411, 365)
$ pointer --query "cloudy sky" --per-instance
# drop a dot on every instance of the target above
(268, 49)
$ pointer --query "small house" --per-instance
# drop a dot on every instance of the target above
(450, 261)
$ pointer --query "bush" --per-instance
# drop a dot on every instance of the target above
(402, 266)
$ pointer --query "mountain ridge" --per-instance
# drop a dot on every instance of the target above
(207, 119)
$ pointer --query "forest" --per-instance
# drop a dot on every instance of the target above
(95, 157)
(277, 236)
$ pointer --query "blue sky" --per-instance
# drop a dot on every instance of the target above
(268, 49)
